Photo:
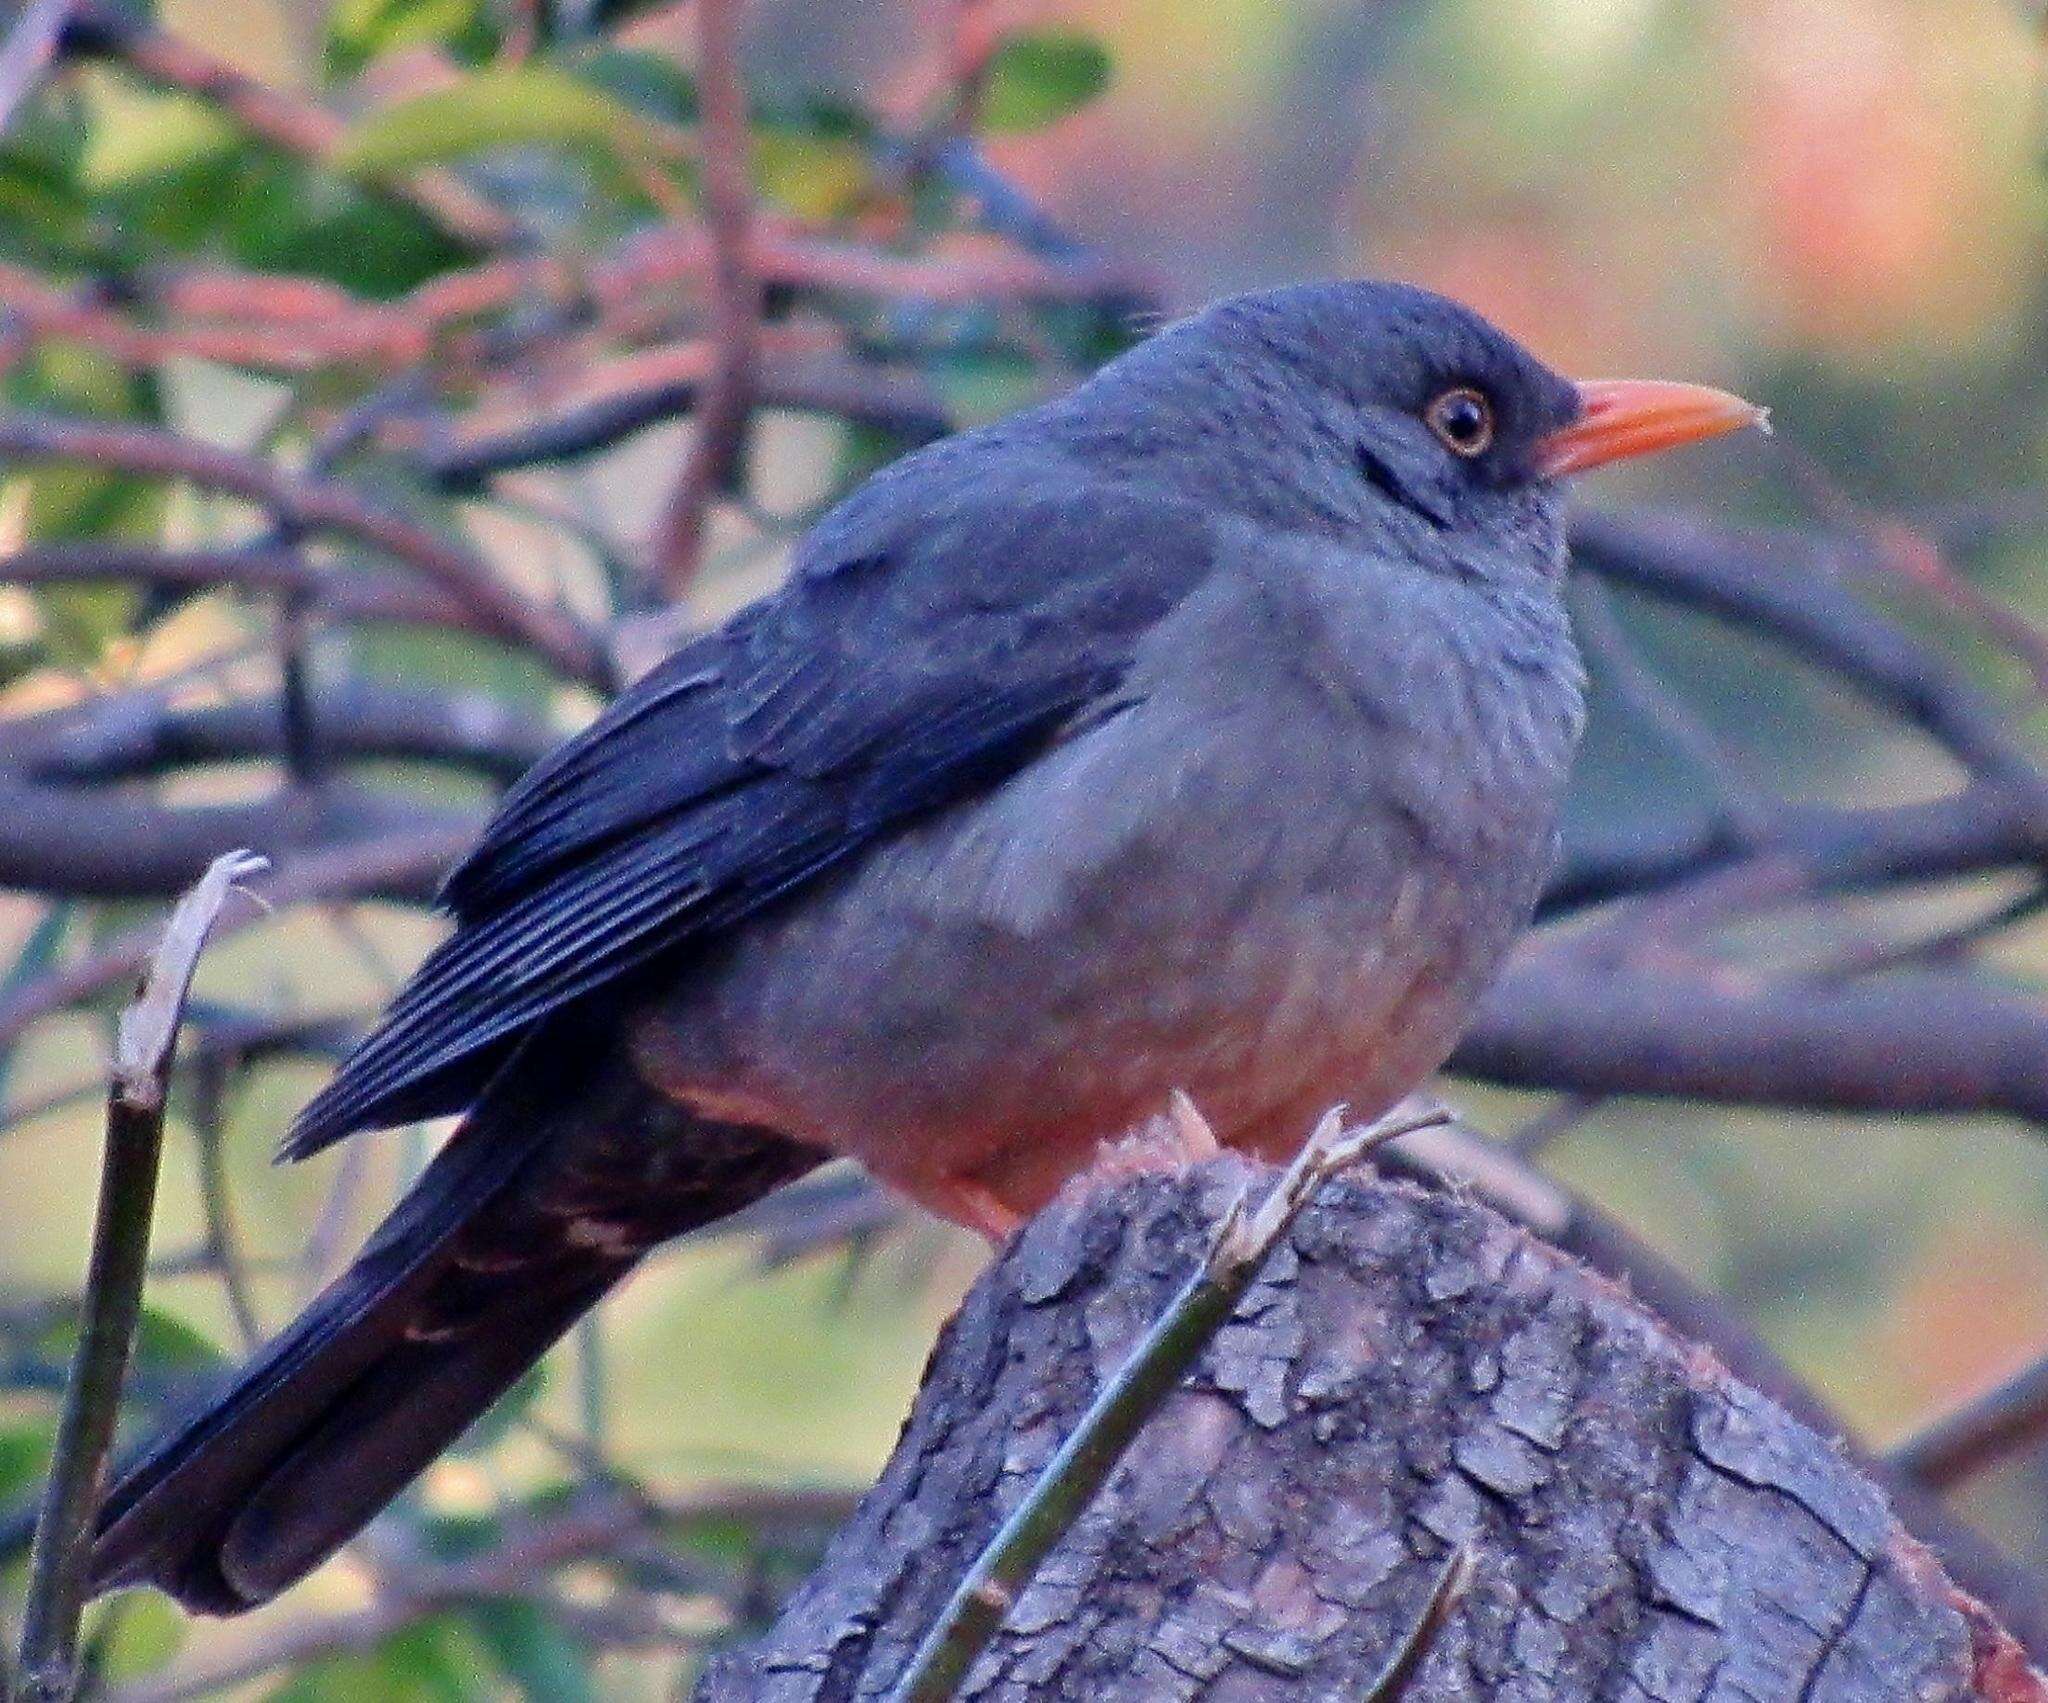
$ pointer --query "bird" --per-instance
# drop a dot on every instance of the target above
(1197, 736)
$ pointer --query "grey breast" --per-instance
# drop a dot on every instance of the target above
(1283, 861)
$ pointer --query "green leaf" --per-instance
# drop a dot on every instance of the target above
(982, 384)
(812, 176)
(136, 135)
(168, 1343)
(498, 107)
(359, 30)
(652, 83)
(45, 216)
(1038, 78)
(72, 500)
(139, 1633)
(24, 1459)
(539, 1657)
(432, 1661)
(286, 219)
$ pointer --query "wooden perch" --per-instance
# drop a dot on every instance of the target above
(1407, 1375)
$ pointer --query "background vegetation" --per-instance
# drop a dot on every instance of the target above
(381, 380)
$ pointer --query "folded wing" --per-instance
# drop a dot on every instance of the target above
(920, 653)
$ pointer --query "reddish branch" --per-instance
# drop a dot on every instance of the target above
(350, 594)
(717, 451)
(314, 505)
(281, 323)
(1998, 1425)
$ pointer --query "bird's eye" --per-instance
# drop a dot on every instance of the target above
(1462, 420)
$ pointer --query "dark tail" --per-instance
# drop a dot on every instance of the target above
(549, 1193)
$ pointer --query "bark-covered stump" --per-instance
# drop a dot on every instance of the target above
(1409, 1372)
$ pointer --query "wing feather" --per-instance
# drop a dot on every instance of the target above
(867, 692)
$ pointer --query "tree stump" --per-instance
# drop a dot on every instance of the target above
(1408, 1374)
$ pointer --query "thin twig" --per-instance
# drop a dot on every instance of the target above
(1782, 585)
(900, 403)
(350, 871)
(1123, 1404)
(1982, 828)
(1452, 1582)
(597, 1525)
(26, 52)
(141, 734)
(1980, 1433)
(221, 1251)
(201, 568)
(312, 504)
(716, 452)
(1564, 1114)
(145, 1043)
(1946, 945)
(1748, 806)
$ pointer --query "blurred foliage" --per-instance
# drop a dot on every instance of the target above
(1834, 204)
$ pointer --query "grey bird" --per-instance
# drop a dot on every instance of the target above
(1202, 730)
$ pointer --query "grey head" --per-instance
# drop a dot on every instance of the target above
(1378, 415)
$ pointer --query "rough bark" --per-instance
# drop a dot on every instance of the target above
(1409, 1373)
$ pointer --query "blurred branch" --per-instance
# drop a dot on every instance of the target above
(1909, 1043)
(93, 843)
(339, 594)
(1920, 563)
(409, 861)
(220, 1250)
(1783, 586)
(1989, 1428)
(1747, 806)
(899, 403)
(1980, 829)
(597, 1524)
(322, 505)
(147, 1040)
(27, 49)
(134, 735)
(277, 322)
(717, 451)
(213, 1033)
(105, 29)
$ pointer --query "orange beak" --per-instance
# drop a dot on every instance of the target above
(1624, 417)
